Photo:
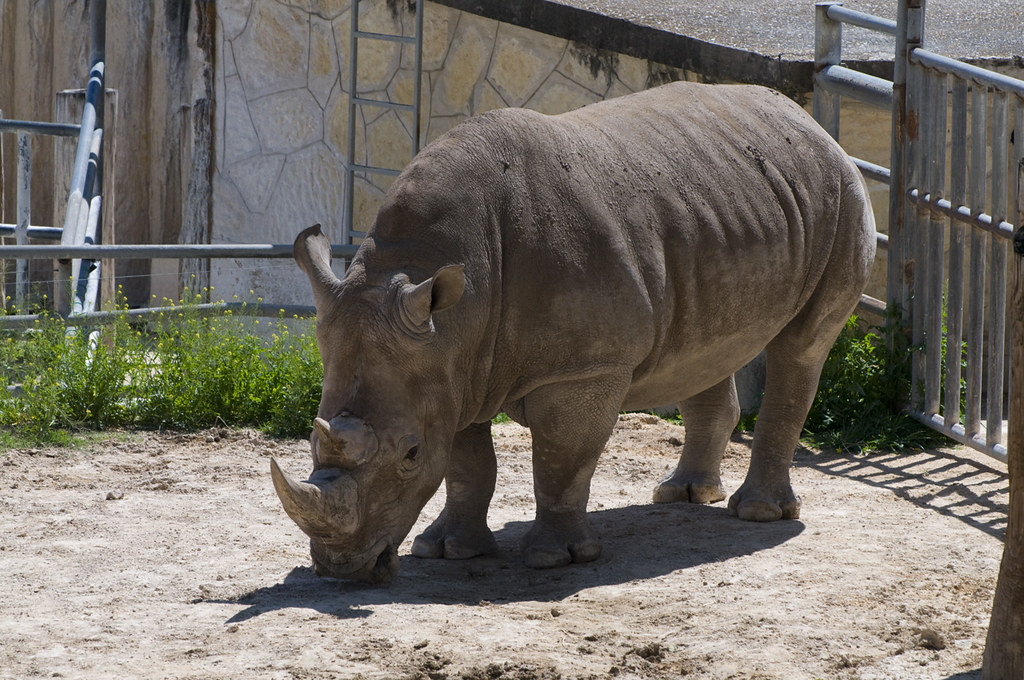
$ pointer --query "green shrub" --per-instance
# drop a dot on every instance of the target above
(184, 370)
(862, 395)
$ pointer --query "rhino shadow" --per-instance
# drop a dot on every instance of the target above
(639, 542)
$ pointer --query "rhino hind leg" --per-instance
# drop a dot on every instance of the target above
(461, 530)
(793, 363)
(710, 418)
(570, 424)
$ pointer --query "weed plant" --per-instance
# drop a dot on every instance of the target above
(187, 371)
(862, 395)
(182, 371)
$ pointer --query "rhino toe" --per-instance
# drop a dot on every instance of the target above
(545, 547)
(755, 507)
(674, 490)
(444, 540)
(538, 557)
(547, 557)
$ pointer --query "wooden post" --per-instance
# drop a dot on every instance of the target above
(1004, 647)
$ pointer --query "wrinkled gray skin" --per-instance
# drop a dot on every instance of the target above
(630, 254)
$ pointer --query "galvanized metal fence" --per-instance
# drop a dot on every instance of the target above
(950, 290)
(83, 217)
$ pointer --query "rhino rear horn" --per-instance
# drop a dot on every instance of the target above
(323, 507)
(440, 291)
(346, 442)
(312, 252)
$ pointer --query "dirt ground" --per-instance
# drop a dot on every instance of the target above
(169, 556)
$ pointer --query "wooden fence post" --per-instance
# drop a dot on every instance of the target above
(1004, 647)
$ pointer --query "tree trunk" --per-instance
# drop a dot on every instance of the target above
(1004, 648)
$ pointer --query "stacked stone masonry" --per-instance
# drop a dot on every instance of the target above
(282, 91)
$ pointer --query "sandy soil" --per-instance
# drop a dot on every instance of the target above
(168, 556)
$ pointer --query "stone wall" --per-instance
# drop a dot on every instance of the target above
(233, 116)
(282, 93)
(283, 83)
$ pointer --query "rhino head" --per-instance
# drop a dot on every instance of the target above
(386, 418)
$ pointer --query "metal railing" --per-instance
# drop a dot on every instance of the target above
(157, 251)
(83, 217)
(355, 101)
(952, 293)
(23, 229)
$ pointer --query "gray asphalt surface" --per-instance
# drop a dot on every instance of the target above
(972, 29)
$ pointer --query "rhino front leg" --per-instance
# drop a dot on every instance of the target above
(461, 530)
(571, 424)
(710, 418)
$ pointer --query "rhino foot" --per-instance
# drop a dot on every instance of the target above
(757, 506)
(448, 540)
(679, 489)
(544, 549)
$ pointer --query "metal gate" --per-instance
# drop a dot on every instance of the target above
(950, 228)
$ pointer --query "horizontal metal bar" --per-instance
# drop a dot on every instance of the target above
(882, 240)
(50, 233)
(169, 251)
(957, 433)
(870, 304)
(383, 104)
(23, 321)
(40, 128)
(855, 18)
(389, 37)
(356, 167)
(961, 213)
(856, 85)
(872, 171)
(923, 57)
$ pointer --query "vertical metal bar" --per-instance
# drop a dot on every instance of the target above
(997, 272)
(3, 264)
(957, 233)
(828, 45)
(978, 189)
(87, 280)
(936, 239)
(418, 78)
(24, 197)
(348, 219)
(919, 84)
(97, 53)
(896, 264)
(76, 218)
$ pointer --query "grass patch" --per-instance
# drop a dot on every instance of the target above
(183, 371)
(862, 396)
(189, 371)
(863, 393)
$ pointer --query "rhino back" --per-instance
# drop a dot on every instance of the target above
(670, 233)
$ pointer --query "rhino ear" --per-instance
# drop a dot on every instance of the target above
(440, 291)
(313, 253)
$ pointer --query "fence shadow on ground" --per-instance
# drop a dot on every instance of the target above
(639, 542)
(956, 486)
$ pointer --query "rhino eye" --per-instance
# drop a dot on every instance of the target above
(412, 453)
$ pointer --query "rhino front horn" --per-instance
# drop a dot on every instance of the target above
(323, 507)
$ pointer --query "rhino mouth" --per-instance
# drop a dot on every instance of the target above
(378, 569)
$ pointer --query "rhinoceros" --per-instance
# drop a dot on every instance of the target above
(562, 269)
